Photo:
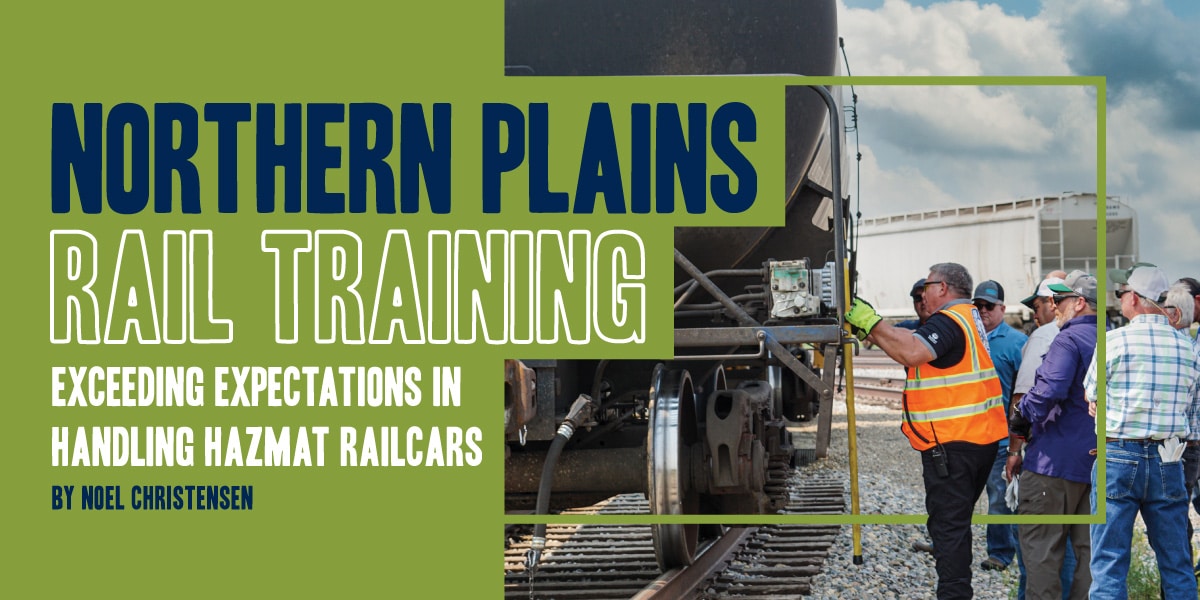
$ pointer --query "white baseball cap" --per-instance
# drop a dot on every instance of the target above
(1149, 282)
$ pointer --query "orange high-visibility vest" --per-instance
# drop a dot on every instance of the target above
(962, 403)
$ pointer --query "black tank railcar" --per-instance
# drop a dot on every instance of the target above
(756, 308)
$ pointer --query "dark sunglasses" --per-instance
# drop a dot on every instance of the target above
(982, 305)
(929, 283)
(1058, 299)
(1119, 293)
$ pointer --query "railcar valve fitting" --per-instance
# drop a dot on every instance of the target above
(534, 555)
(579, 415)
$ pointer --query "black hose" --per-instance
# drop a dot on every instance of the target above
(543, 500)
(581, 412)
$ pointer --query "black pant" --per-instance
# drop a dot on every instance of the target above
(950, 502)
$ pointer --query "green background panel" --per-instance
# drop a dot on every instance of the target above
(337, 531)
(410, 531)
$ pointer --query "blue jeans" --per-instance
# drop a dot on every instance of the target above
(1138, 481)
(1001, 539)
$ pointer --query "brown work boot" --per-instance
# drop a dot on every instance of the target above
(992, 563)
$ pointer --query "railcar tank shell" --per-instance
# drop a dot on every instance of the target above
(699, 433)
(701, 37)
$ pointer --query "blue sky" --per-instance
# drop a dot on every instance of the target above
(943, 147)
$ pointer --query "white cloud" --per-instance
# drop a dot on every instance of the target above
(1177, 260)
(1136, 45)
(949, 119)
(938, 147)
(951, 38)
(1156, 173)
(899, 190)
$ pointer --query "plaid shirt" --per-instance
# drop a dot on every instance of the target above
(1153, 381)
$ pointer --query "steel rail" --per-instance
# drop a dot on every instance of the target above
(682, 583)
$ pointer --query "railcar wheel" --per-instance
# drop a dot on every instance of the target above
(673, 431)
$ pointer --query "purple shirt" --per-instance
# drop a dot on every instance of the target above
(1062, 433)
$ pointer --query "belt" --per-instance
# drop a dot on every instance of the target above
(1190, 443)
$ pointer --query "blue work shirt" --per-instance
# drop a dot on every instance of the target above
(1062, 433)
(1005, 344)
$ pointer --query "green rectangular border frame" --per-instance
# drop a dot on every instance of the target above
(1100, 85)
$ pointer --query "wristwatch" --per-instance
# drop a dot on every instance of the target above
(1012, 453)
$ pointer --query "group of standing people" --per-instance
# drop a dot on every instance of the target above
(987, 406)
(1152, 414)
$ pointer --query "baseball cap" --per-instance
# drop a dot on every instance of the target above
(918, 289)
(990, 291)
(1043, 290)
(1149, 282)
(1121, 276)
(1077, 282)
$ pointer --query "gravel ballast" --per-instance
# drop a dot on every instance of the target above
(890, 483)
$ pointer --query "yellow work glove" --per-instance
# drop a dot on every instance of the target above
(862, 317)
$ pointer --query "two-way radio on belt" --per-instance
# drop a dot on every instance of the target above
(939, 452)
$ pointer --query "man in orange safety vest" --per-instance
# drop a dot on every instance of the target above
(953, 411)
